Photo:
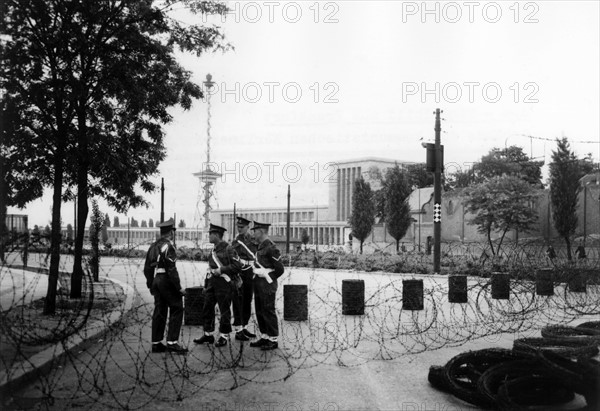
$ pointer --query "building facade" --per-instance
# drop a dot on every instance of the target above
(325, 225)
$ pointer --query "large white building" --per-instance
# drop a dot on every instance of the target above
(325, 225)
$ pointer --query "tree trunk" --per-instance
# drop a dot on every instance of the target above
(3, 207)
(568, 242)
(55, 237)
(489, 236)
(82, 210)
(82, 205)
(361, 244)
(501, 240)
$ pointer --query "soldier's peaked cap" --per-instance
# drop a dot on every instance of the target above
(216, 229)
(258, 225)
(242, 221)
(166, 226)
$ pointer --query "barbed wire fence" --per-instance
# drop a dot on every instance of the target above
(117, 369)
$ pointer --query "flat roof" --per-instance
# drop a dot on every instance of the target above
(374, 159)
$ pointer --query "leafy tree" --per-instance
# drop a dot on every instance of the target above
(106, 220)
(501, 204)
(397, 210)
(35, 100)
(96, 80)
(134, 223)
(565, 171)
(150, 223)
(459, 179)
(116, 222)
(144, 224)
(181, 224)
(363, 211)
(510, 161)
(418, 176)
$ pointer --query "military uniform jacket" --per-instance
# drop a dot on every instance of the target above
(229, 261)
(269, 257)
(161, 258)
(242, 252)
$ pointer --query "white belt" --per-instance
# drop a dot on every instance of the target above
(224, 276)
(160, 271)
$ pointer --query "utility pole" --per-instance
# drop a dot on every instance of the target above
(162, 200)
(287, 237)
(437, 196)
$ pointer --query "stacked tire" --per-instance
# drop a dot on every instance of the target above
(556, 369)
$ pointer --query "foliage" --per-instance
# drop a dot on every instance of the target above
(363, 211)
(459, 179)
(501, 204)
(510, 161)
(144, 224)
(107, 220)
(116, 222)
(418, 176)
(89, 86)
(181, 224)
(565, 171)
(397, 210)
(151, 223)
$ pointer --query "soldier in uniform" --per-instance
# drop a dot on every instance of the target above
(242, 305)
(224, 266)
(163, 282)
(268, 268)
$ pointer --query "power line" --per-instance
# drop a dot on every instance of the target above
(554, 139)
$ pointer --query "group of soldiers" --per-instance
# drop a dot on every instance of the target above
(238, 272)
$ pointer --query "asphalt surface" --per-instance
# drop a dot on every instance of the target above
(330, 362)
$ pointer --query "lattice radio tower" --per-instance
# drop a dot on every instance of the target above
(207, 176)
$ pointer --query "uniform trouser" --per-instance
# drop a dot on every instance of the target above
(166, 298)
(264, 305)
(242, 301)
(217, 291)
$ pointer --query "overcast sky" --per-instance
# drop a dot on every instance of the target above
(314, 83)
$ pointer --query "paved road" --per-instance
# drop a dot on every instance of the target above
(330, 362)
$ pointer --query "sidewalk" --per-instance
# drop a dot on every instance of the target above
(20, 286)
(40, 346)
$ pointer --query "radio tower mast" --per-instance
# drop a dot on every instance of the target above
(207, 176)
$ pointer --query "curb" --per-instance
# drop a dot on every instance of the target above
(42, 362)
